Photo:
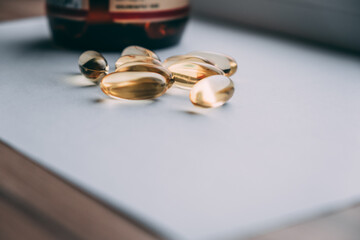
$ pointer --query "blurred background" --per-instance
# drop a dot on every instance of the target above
(11, 10)
(333, 23)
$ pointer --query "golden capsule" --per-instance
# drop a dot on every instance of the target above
(224, 62)
(147, 67)
(137, 50)
(134, 85)
(185, 58)
(186, 74)
(212, 91)
(136, 58)
(93, 65)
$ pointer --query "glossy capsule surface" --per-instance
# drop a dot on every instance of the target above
(136, 58)
(212, 91)
(185, 58)
(134, 85)
(222, 61)
(186, 74)
(93, 65)
(147, 67)
(137, 50)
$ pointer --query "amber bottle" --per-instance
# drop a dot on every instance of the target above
(115, 24)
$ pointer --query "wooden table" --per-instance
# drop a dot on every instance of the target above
(37, 204)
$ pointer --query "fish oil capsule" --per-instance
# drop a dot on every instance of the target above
(147, 67)
(186, 74)
(93, 65)
(212, 91)
(137, 50)
(136, 58)
(134, 85)
(224, 62)
(185, 58)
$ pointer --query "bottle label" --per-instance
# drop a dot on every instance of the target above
(147, 10)
(72, 9)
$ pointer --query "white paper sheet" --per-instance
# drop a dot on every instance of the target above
(286, 146)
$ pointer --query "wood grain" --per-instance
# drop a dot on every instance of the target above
(14, 221)
(340, 225)
(42, 204)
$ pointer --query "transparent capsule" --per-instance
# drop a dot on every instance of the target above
(93, 65)
(185, 58)
(136, 58)
(212, 91)
(147, 67)
(186, 74)
(224, 62)
(134, 85)
(137, 50)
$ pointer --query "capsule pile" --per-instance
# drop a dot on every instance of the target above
(141, 75)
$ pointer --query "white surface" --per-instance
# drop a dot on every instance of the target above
(287, 145)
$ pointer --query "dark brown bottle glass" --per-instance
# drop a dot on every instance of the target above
(115, 24)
